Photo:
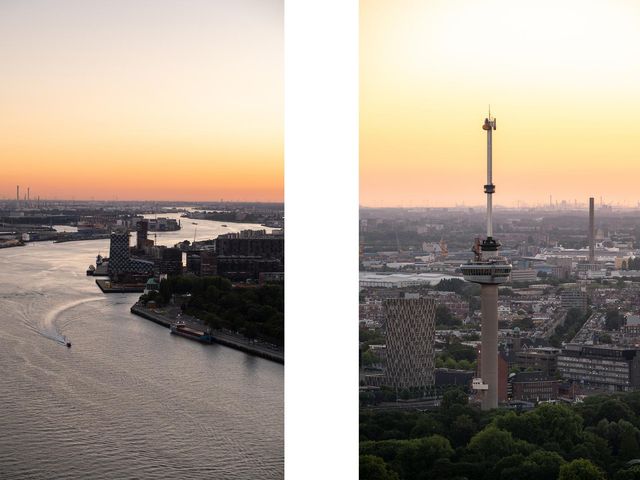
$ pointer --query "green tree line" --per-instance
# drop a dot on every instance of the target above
(255, 311)
(597, 439)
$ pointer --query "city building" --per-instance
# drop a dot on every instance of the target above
(533, 387)
(446, 377)
(250, 243)
(606, 367)
(162, 224)
(120, 263)
(410, 326)
(573, 298)
(168, 260)
(142, 227)
(524, 275)
(544, 359)
(243, 268)
(632, 325)
(208, 264)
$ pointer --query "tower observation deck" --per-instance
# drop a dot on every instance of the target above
(488, 269)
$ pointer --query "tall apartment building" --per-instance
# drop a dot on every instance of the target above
(120, 261)
(142, 228)
(410, 325)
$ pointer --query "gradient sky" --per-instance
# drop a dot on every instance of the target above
(563, 81)
(155, 99)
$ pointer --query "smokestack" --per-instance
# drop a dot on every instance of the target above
(28, 193)
(17, 196)
(592, 253)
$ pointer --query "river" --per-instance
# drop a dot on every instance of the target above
(128, 400)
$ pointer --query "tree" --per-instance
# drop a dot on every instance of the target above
(632, 473)
(547, 424)
(462, 429)
(613, 409)
(369, 358)
(629, 448)
(605, 338)
(375, 468)
(445, 317)
(492, 443)
(416, 457)
(581, 469)
(454, 396)
(614, 320)
(426, 426)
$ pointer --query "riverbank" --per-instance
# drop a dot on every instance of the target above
(227, 339)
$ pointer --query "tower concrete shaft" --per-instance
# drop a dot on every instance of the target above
(489, 352)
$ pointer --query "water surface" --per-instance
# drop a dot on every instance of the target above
(128, 400)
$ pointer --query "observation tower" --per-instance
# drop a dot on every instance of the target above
(488, 269)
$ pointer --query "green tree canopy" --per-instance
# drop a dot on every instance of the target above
(375, 468)
(581, 469)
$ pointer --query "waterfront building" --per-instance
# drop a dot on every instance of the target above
(142, 227)
(152, 285)
(162, 224)
(208, 264)
(120, 262)
(410, 326)
(250, 243)
(243, 268)
(169, 261)
(193, 263)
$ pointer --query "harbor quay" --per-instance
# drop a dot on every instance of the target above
(110, 287)
(228, 339)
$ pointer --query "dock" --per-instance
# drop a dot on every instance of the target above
(108, 287)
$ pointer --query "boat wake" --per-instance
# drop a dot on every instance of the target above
(51, 329)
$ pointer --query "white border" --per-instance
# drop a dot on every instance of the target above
(321, 214)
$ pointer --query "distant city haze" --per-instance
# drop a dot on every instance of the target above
(142, 100)
(561, 80)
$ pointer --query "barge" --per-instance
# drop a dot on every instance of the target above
(198, 335)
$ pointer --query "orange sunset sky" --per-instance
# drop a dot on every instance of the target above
(563, 81)
(163, 100)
